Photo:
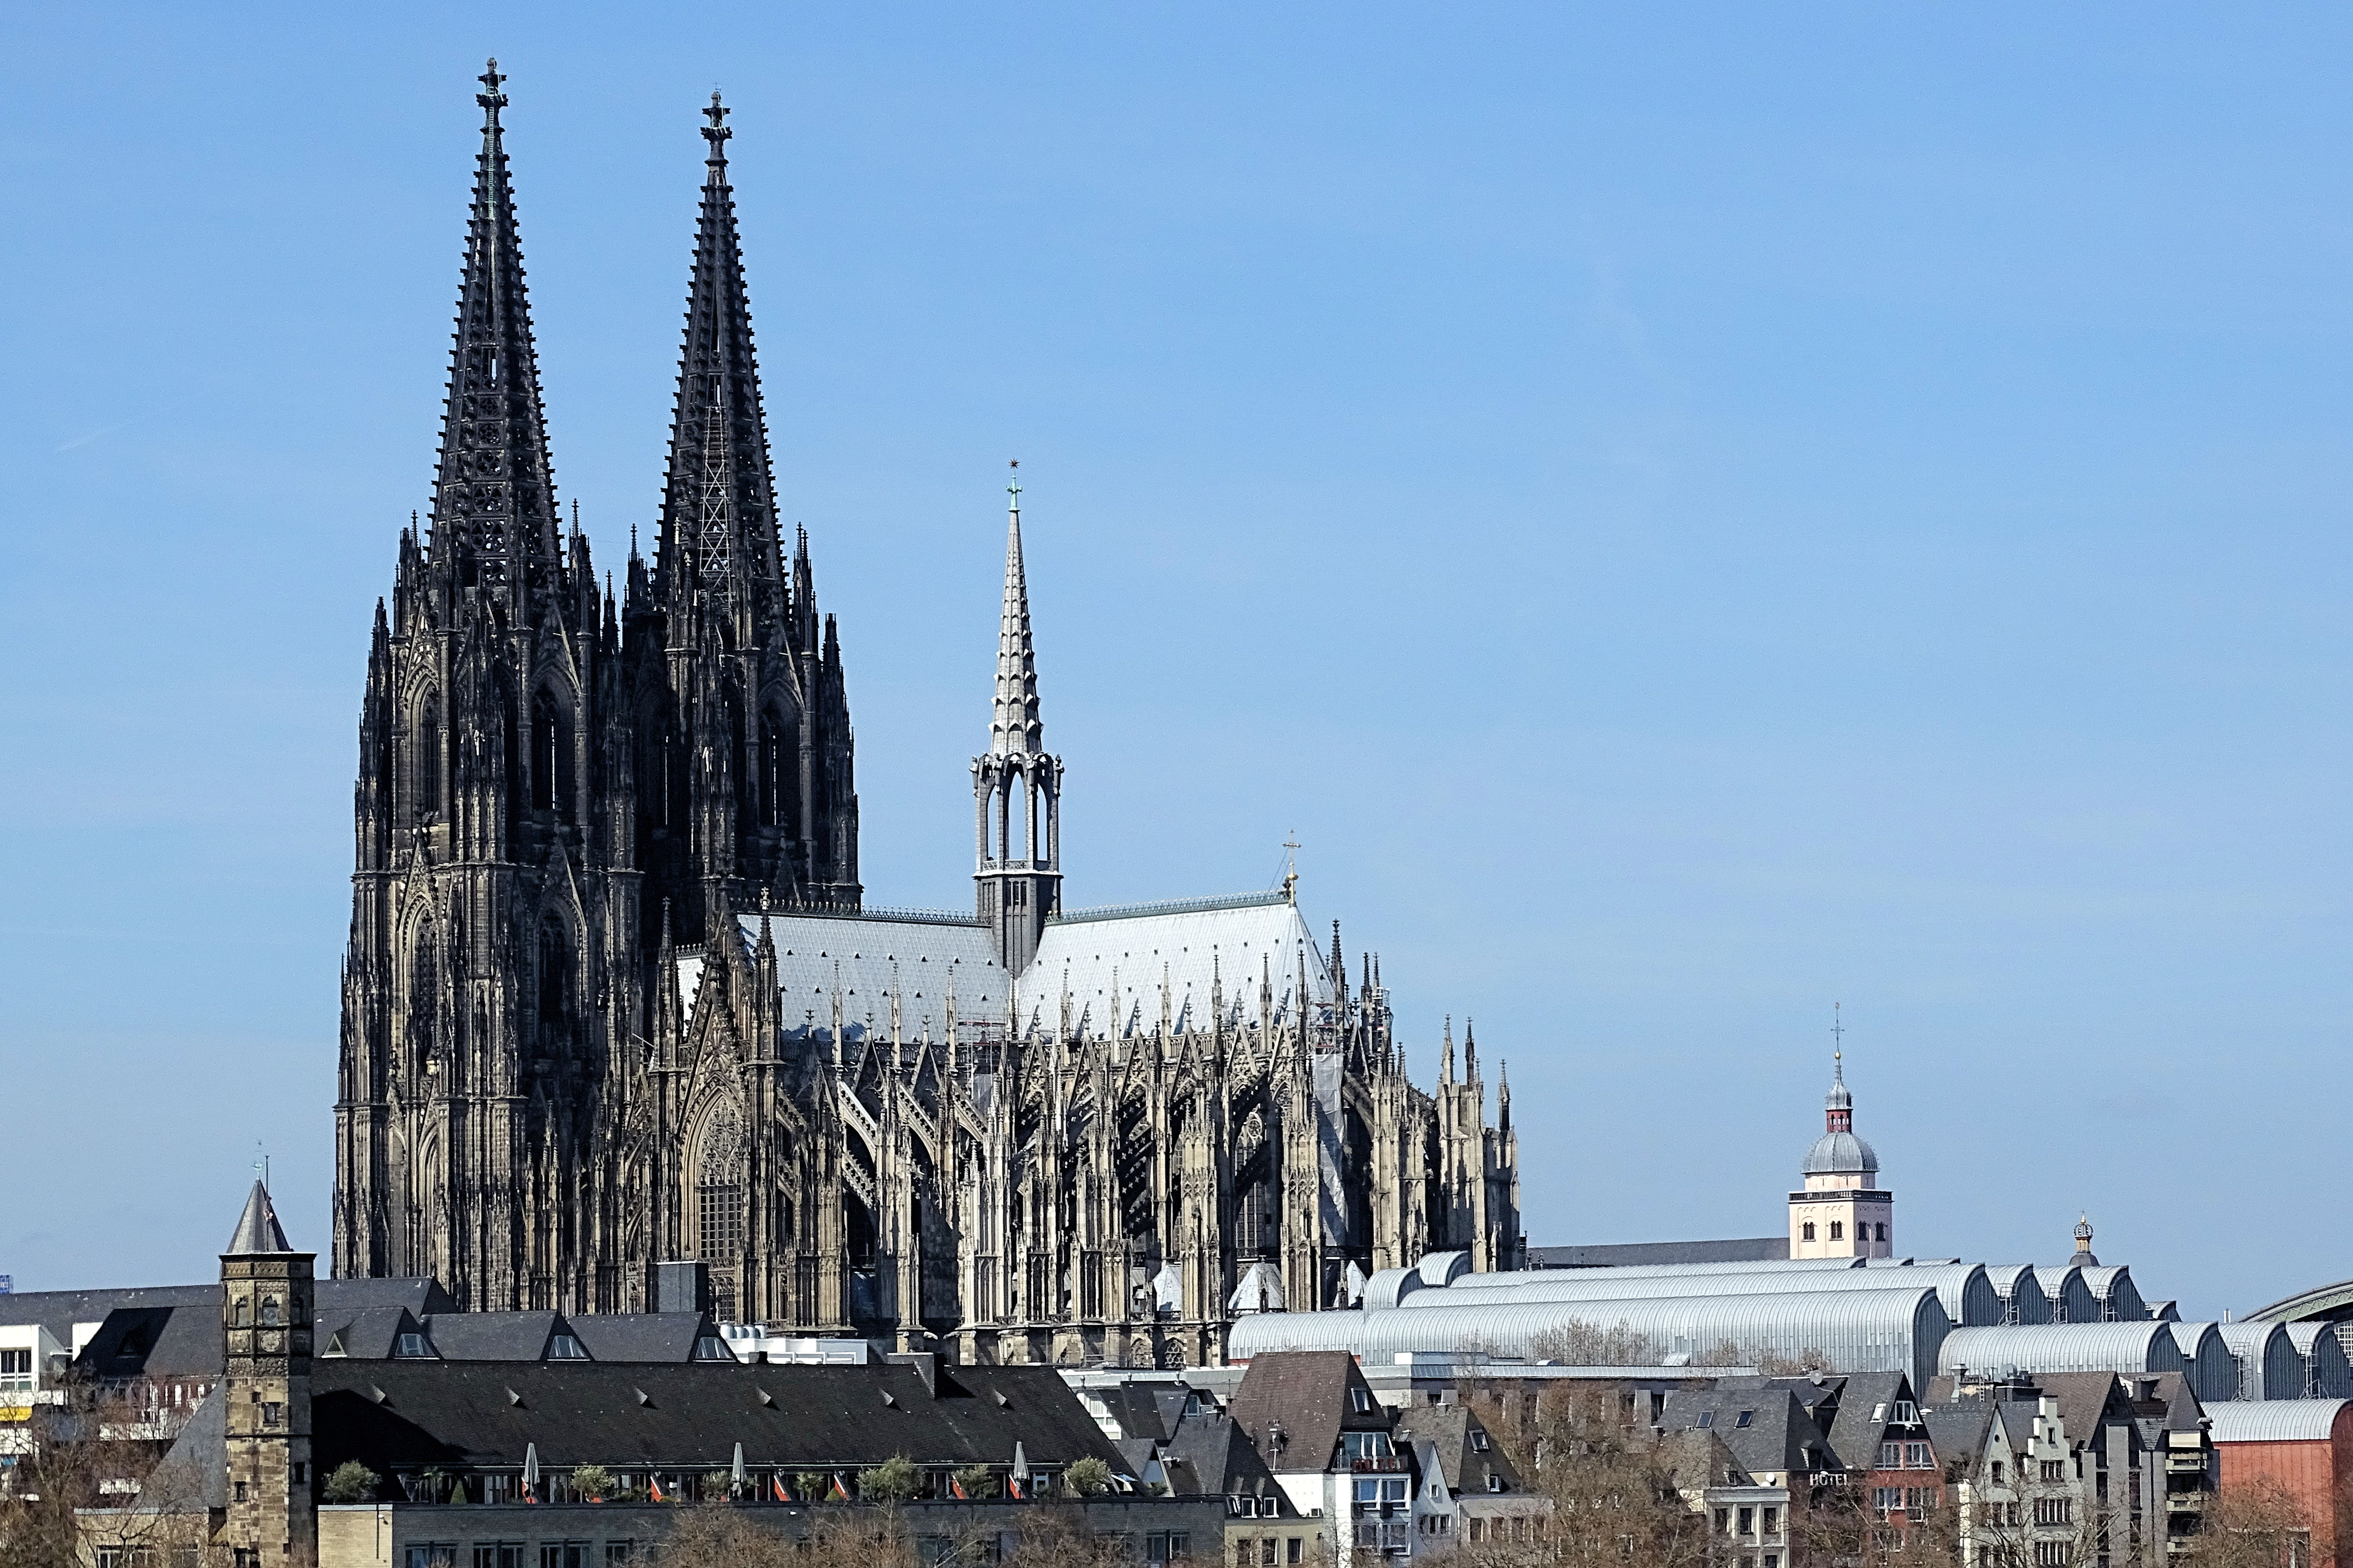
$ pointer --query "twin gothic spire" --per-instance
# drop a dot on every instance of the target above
(494, 519)
(719, 527)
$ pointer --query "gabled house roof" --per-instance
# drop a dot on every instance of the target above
(1146, 1409)
(2087, 1401)
(1866, 1407)
(1295, 1404)
(1959, 1434)
(1462, 1464)
(155, 1342)
(1218, 1459)
(1780, 1434)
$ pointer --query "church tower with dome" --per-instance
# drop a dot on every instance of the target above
(1841, 1211)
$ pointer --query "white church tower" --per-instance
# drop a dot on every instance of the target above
(1841, 1212)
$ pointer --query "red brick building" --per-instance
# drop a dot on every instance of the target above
(2306, 1448)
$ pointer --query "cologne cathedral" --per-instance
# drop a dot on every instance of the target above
(613, 998)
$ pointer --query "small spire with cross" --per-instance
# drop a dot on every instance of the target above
(716, 133)
(1290, 869)
(1014, 488)
(491, 97)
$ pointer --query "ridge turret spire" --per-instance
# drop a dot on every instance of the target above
(1015, 729)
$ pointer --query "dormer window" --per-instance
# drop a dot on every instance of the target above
(1495, 1482)
(1361, 1399)
(1907, 1413)
(711, 1347)
(564, 1347)
(411, 1346)
(1478, 1440)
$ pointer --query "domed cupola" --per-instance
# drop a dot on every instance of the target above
(1840, 1210)
(1838, 1152)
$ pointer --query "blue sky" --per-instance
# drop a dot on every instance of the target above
(1691, 513)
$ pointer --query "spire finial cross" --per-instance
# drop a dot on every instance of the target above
(1014, 488)
(1838, 1038)
(491, 97)
(716, 133)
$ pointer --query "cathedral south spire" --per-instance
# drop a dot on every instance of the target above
(1017, 786)
(746, 772)
(718, 547)
(494, 517)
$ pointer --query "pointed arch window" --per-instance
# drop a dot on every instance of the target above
(424, 993)
(779, 771)
(551, 755)
(719, 1191)
(555, 989)
(425, 784)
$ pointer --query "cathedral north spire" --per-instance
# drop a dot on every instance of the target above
(494, 517)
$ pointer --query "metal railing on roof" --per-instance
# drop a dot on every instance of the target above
(1169, 907)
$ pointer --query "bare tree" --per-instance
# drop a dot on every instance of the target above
(90, 1476)
(2255, 1524)
(1617, 1487)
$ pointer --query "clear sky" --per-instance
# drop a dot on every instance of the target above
(1691, 513)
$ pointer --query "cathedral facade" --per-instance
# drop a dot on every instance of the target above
(613, 994)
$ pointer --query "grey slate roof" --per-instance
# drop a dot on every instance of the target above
(60, 1310)
(638, 1336)
(1447, 1429)
(1783, 1435)
(155, 1342)
(333, 1301)
(373, 1335)
(193, 1472)
(1619, 1255)
(690, 1417)
(258, 1230)
(1149, 1410)
(1306, 1394)
(496, 1336)
(1218, 1458)
(1866, 1405)
(1959, 1434)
